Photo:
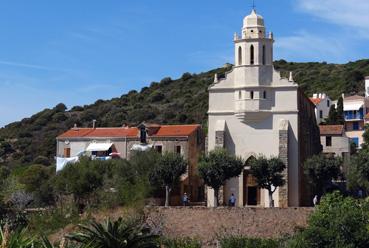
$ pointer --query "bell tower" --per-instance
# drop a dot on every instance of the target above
(254, 47)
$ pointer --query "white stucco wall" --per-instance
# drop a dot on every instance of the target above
(340, 144)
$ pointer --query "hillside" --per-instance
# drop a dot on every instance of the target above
(185, 100)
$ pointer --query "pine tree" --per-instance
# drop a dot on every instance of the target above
(340, 115)
(332, 116)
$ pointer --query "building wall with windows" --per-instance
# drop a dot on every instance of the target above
(187, 140)
(322, 104)
(335, 143)
(355, 110)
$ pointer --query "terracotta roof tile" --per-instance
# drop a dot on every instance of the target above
(316, 101)
(161, 131)
(331, 129)
(176, 130)
(99, 132)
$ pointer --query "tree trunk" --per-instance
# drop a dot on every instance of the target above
(271, 201)
(167, 193)
(216, 197)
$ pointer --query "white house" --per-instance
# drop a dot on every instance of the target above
(322, 104)
(254, 111)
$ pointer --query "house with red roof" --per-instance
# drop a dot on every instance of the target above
(335, 142)
(322, 104)
(121, 142)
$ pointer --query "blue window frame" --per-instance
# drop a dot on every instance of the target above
(355, 125)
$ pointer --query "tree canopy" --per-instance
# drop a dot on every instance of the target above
(167, 171)
(268, 174)
(217, 167)
(321, 170)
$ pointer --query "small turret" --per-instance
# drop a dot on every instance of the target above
(216, 78)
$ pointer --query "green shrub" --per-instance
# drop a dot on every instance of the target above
(181, 243)
(244, 242)
(47, 222)
(338, 222)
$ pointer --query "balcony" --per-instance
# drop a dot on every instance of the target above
(354, 117)
(252, 109)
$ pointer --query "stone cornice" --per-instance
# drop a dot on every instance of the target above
(253, 87)
(268, 111)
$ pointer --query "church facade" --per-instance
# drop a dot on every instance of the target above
(254, 111)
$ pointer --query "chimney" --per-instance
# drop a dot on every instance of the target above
(315, 95)
(93, 124)
(291, 77)
(216, 78)
(75, 127)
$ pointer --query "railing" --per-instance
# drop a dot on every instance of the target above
(354, 117)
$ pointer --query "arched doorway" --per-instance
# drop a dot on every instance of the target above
(251, 191)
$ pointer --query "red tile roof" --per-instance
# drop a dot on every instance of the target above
(176, 130)
(99, 132)
(316, 101)
(162, 131)
(331, 129)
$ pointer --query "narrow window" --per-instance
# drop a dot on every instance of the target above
(264, 94)
(178, 149)
(67, 152)
(328, 141)
(328, 103)
(355, 126)
(239, 56)
(320, 114)
(264, 55)
(252, 95)
(239, 95)
(252, 56)
(159, 149)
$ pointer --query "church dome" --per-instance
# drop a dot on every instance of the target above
(253, 20)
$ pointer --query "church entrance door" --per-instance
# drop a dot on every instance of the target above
(251, 192)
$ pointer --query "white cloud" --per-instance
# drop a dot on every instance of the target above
(345, 13)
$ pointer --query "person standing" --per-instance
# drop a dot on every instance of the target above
(185, 199)
(315, 200)
(232, 200)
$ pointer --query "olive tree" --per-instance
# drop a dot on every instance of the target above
(217, 167)
(268, 174)
(321, 170)
(167, 172)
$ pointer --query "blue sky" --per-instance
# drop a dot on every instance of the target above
(76, 52)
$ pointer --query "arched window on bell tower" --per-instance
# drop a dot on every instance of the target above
(264, 54)
(252, 55)
(240, 56)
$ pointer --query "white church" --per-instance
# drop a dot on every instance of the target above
(254, 111)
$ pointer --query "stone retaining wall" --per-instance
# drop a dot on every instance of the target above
(207, 224)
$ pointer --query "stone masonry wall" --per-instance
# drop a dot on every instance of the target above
(207, 224)
(283, 155)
